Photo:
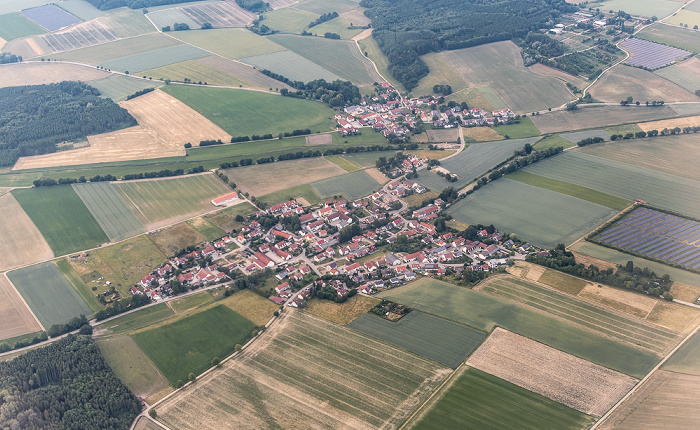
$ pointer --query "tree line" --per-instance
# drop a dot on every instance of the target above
(49, 182)
(133, 4)
(336, 94)
(520, 159)
(6, 57)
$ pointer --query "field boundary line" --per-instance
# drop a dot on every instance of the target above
(23, 301)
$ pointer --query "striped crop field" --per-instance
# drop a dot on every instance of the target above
(110, 210)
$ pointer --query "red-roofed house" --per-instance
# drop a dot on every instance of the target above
(225, 199)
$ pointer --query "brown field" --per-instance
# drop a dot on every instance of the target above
(688, 121)
(243, 72)
(175, 238)
(550, 72)
(588, 260)
(22, 243)
(691, 65)
(529, 271)
(319, 139)
(443, 135)
(165, 125)
(260, 179)
(341, 313)
(482, 134)
(289, 378)
(675, 316)
(16, 74)
(562, 282)
(667, 400)
(15, 317)
(252, 306)
(378, 176)
(598, 117)
(623, 81)
(564, 378)
(685, 292)
(628, 302)
(145, 423)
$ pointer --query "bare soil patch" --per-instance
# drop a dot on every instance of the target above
(482, 134)
(16, 74)
(15, 317)
(319, 139)
(623, 81)
(630, 303)
(377, 175)
(564, 378)
(688, 121)
(21, 243)
(587, 260)
(675, 316)
(341, 313)
(685, 292)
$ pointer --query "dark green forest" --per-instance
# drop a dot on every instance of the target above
(66, 385)
(133, 4)
(407, 29)
(33, 119)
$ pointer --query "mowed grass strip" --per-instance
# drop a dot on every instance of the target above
(484, 312)
(62, 217)
(593, 196)
(436, 338)
(49, 294)
(110, 210)
(188, 345)
(482, 401)
(132, 366)
(351, 186)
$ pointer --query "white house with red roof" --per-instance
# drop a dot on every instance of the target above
(225, 199)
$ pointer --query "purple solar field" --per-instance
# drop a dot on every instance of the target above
(658, 235)
(652, 55)
(50, 16)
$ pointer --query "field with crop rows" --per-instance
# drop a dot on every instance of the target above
(598, 117)
(231, 43)
(476, 399)
(152, 59)
(535, 214)
(188, 345)
(444, 341)
(671, 35)
(22, 242)
(118, 87)
(62, 218)
(291, 65)
(623, 81)
(651, 55)
(14, 26)
(622, 180)
(49, 294)
(251, 306)
(289, 373)
(341, 313)
(351, 185)
(15, 317)
(168, 17)
(685, 74)
(657, 235)
(485, 312)
(118, 49)
(110, 210)
(220, 14)
(579, 312)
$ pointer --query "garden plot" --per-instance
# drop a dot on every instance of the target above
(50, 16)
(651, 55)
(564, 378)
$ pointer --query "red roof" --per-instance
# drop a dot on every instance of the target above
(225, 198)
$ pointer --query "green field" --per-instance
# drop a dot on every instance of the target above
(152, 59)
(369, 46)
(526, 128)
(485, 312)
(118, 87)
(338, 26)
(351, 186)
(137, 320)
(63, 219)
(291, 65)
(110, 210)
(83, 290)
(118, 49)
(481, 401)
(622, 180)
(198, 71)
(168, 17)
(49, 294)
(14, 26)
(325, 6)
(304, 191)
(344, 163)
(678, 75)
(289, 20)
(231, 43)
(367, 159)
(132, 366)
(339, 57)
(156, 200)
(190, 302)
(226, 219)
(188, 345)
(671, 35)
(444, 341)
(208, 230)
(593, 196)
(577, 136)
(685, 360)
(646, 8)
(82, 9)
(553, 142)
(244, 113)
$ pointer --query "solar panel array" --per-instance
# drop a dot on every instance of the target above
(658, 235)
(652, 55)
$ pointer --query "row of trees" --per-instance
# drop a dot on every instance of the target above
(139, 93)
(6, 57)
(323, 18)
(520, 159)
(49, 182)
(133, 4)
(336, 94)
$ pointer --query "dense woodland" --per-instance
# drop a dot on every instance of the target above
(133, 4)
(6, 57)
(407, 29)
(336, 94)
(66, 384)
(34, 119)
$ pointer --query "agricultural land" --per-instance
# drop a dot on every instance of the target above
(22, 242)
(342, 313)
(110, 210)
(15, 317)
(351, 185)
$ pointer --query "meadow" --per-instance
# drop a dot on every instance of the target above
(135, 321)
(485, 312)
(601, 116)
(190, 302)
(152, 59)
(207, 229)
(371, 49)
(118, 87)
(341, 313)
(233, 43)
(623, 180)
(325, 6)
(22, 242)
(351, 185)
(623, 81)
(189, 344)
(339, 26)
(444, 341)
(684, 360)
(244, 113)
(251, 306)
(14, 26)
(80, 286)
(198, 71)
(49, 294)
(172, 239)
(284, 377)
(476, 399)
(110, 210)
(81, 8)
(672, 35)
(524, 128)
(226, 219)
(646, 8)
(15, 317)
(343, 163)
(538, 215)
(62, 218)
(291, 65)
(165, 199)
(304, 193)
(289, 20)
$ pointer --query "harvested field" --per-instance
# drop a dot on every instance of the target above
(172, 239)
(685, 74)
(281, 4)
(168, 17)
(145, 423)
(689, 121)
(564, 378)
(233, 43)
(132, 366)
(675, 316)
(110, 210)
(624, 81)
(352, 186)
(588, 316)
(319, 139)
(436, 338)
(482, 134)
(288, 374)
(256, 179)
(16, 74)
(119, 87)
(588, 117)
(291, 65)
(562, 282)
(251, 306)
(22, 243)
(341, 313)
(627, 302)
(165, 125)
(16, 318)
(685, 293)
(667, 400)
(377, 175)
(551, 72)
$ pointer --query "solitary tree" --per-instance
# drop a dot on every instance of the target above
(191, 377)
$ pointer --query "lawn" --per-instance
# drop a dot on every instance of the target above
(156, 58)
(136, 320)
(540, 216)
(442, 340)
(207, 229)
(132, 366)
(291, 65)
(478, 400)
(671, 35)
(352, 186)
(231, 43)
(484, 313)
(578, 191)
(14, 26)
(188, 345)
(110, 210)
(63, 219)
(226, 219)
(244, 113)
(525, 128)
(118, 87)
(342, 313)
(49, 294)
